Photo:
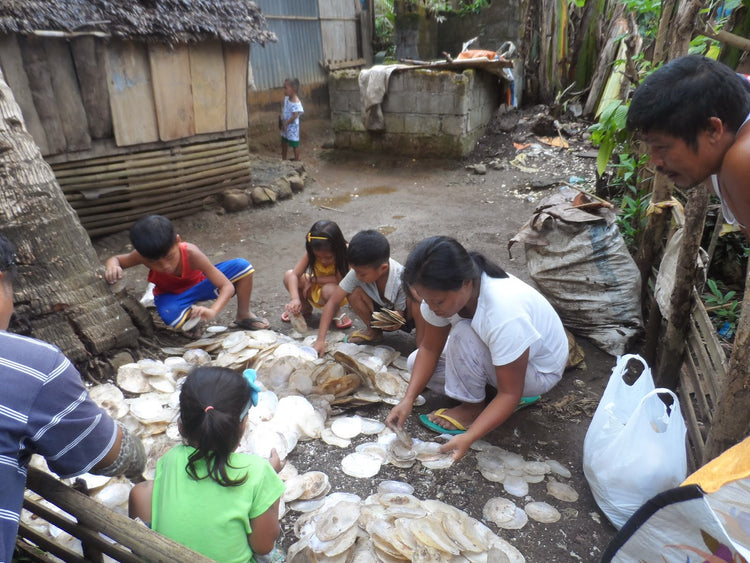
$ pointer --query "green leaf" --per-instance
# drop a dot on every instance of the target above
(602, 157)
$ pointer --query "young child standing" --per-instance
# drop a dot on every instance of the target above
(205, 495)
(372, 284)
(182, 275)
(318, 273)
(290, 118)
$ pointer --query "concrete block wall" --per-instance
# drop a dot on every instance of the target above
(427, 113)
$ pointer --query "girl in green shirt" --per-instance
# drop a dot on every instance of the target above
(205, 495)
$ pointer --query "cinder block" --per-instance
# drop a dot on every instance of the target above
(454, 125)
(419, 124)
(394, 122)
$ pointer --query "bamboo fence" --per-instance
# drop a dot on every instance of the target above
(109, 193)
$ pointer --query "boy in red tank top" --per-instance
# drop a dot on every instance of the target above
(182, 275)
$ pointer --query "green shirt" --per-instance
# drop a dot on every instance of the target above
(205, 516)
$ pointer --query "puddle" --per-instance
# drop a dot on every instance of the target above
(338, 201)
(386, 229)
(397, 217)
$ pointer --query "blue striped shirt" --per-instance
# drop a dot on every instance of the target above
(44, 409)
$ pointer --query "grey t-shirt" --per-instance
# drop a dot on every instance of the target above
(394, 297)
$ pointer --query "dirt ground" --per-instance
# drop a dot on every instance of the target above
(408, 200)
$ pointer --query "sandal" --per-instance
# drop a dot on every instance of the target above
(361, 337)
(342, 321)
(252, 323)
(426, 422)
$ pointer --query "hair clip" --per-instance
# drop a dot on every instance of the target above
(250, 375)
(312, 237)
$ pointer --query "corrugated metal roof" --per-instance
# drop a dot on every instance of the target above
(298, 50)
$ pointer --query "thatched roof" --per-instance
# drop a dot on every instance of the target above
(166, 21)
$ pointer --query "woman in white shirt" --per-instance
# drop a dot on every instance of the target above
(483, 326)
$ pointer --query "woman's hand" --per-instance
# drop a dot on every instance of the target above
(399, 414)
(458, 446)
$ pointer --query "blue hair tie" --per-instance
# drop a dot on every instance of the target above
(250, 376)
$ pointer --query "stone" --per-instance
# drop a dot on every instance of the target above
(297, 183)
(282, 188)
(234, 200)
(263, 194)
(120, 359)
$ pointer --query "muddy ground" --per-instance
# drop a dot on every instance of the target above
(409, 199)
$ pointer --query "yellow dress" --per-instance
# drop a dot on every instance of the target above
(316, 289)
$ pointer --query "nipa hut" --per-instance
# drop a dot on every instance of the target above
(139, 106)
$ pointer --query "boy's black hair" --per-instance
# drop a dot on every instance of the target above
(442, 264)
(152, 236)
(212, 400)
(368, 248)
(680, 97)
(7, 259)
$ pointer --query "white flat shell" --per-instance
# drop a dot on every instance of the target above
(316, 485)
(561, 491)
(399, 487)
(360, 465)
(190, 323)
(536, 468)
(558, 468)
(332, 439)
(441, 461)
(216, 329)
(347, 427)
(542, 512)
(131, 379)
(110, 398)
(373, 449)
(295, 486)
(197, 357)
(371, 426)
(499, 510)
(337, 520)
(516, 486)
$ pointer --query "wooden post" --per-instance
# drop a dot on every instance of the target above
(731, 415)
(669, 360)
(652, 240)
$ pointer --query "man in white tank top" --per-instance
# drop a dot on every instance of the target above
(691, 112)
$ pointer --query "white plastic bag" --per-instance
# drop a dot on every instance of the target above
(635, 445)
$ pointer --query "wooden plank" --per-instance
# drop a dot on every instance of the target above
(236, 60)
(131, 95)
(170, 69)
(142, 541)
(209, 86)
(15, 75)
(35, 61)
(69, 103)
(89, 58)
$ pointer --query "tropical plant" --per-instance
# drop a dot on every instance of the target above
(722, 307)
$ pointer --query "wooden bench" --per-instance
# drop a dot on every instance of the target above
(89, 521)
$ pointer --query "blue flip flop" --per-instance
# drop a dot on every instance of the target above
(526, 401)
(427, 423)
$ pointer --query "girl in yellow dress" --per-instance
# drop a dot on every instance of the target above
(318, 273)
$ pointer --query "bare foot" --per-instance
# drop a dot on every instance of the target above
(465, 414)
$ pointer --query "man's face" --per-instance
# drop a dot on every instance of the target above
(681, 163)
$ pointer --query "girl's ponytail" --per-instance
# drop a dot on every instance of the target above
(212, 401)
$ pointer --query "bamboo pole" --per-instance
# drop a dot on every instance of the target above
(149, 204)
(142, 163)
(670, 355)
(172, 150)
(169, 189)
(652, 240)
(76, 184)
(143, 542)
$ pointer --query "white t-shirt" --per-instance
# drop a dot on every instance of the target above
(512, 316)
(394, 297)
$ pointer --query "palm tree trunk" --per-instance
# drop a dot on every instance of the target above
(60, 294)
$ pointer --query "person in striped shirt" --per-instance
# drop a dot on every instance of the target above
(45, 409)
